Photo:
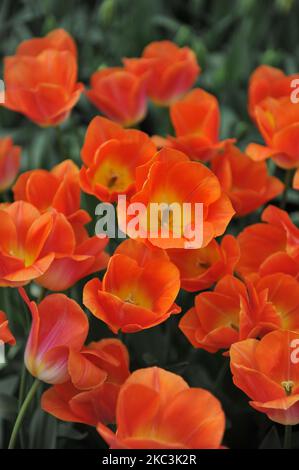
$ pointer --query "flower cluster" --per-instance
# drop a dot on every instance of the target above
(245, 281)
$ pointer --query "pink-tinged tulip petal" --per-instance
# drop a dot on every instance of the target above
(96, 376)
(85, 375)
(284, 410)
(66, 402)
(58, 326)
(65, 271)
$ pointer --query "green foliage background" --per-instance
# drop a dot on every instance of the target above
(230, 38)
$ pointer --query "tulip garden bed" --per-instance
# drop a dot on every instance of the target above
(149, 240)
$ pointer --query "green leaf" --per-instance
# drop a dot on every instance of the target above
(8, 407)
(8, 384)
(271, 440)
(43, 431)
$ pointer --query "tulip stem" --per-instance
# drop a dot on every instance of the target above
(22, 413)
(22, 386)
(287, 443)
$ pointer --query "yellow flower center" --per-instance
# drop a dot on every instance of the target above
(115, 177)
(288, 386)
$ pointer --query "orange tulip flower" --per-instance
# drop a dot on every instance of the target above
(196, 121)
(10, 156)
(111, 155)
(58, 189)
(83, 258)
(267, 82)
(59, 327)
(119, 94)
(201, 268)
(274, 244)
(41, 79)
(247, 183)
(172, 70)
(268, 372)
(278, 122)
(157, 409)
(213, 322)
(138, 289)
(5, 334)
(96, 375)
(277, 117)
(24, 251)
(282, 300)
(235, 311)
(57, 39)
(45, 248)
(170, 177)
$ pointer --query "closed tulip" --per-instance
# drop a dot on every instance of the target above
(265, 82)
(59, 327)
(172, 70)
(119, 94)
(41, 79)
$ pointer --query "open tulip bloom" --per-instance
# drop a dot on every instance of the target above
(192, 263)
(157, 410)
